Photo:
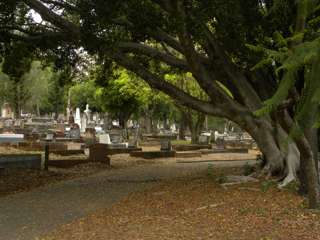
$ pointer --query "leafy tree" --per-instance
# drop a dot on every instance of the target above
(37, 84)
(17, 61)
(85, 92)
(122, 96)
(6, 88)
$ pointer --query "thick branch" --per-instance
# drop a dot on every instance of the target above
(53, 18)
(153, 53)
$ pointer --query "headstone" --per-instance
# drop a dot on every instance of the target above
(220, 143)
(98, 153)
(74, 131)
(77, 118)
(87, 111)
(89, 136)
(104, 139)
(116, 138)
(98, 129)
(133, 143)
(49, 136)
(203, 140)
(166, 145)
(83, 123)
(60, 128)
(95, 117)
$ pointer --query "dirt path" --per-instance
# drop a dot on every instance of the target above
(31, 214)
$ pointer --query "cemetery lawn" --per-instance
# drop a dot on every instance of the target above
(198, 207)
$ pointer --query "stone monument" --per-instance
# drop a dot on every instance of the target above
(77, 118)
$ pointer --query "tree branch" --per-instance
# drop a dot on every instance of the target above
(53, 18)
(153, 53)
(63, 4)
(158, 83)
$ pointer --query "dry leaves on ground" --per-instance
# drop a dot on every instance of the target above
(200, 208)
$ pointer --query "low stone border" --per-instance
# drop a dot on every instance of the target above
(67, 152)
(153, 154)
(191, 147)
(126, 150)
(226, 150)
(32, 161)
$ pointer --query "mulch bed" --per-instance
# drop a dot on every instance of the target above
(199, 208)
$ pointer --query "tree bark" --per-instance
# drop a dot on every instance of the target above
(310, 176)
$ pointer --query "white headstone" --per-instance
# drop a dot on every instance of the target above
(83, 124)
(88, 112)
(203, 139)
(104, 139)
(77, 118)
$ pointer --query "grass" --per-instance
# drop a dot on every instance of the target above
(180, 142)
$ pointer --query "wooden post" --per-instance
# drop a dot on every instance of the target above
(46, 156)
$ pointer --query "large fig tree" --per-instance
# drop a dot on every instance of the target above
(209, 39)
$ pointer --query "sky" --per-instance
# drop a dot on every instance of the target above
(36, 17)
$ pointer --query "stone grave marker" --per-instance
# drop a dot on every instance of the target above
(133, 143)
(104, 139)
(116, 138)
(220, 143)
(89, 136)
(74, 131)
(98, 153)
(204, 140)
(166, 145)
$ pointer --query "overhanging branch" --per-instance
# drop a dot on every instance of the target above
(158, 83)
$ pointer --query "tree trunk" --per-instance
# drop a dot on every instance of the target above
(16, 101)
(194, 136)
(265, 136)
(309, 172)
(182, 128)
(195, 125)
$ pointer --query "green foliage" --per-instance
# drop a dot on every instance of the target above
(37, 83)
(17, 61)
(85, 92)
(300, 57)
(123, 95)
(6, 87)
